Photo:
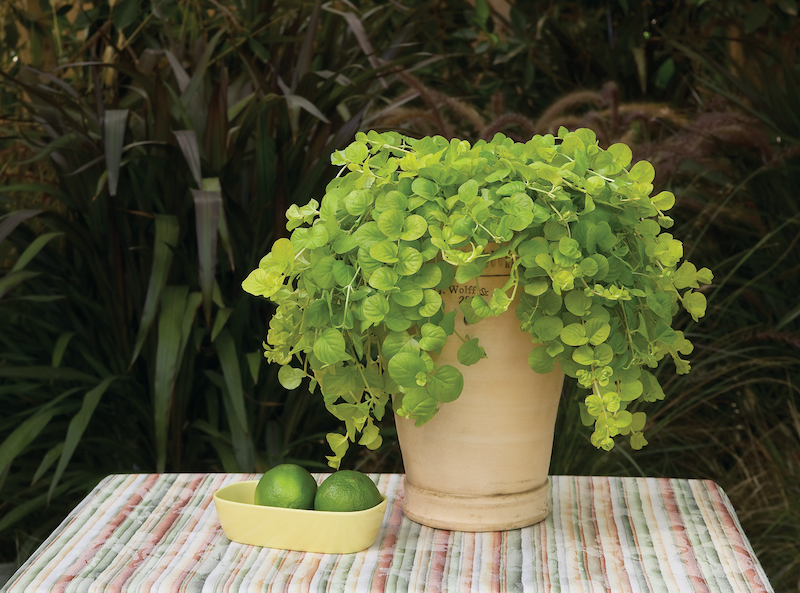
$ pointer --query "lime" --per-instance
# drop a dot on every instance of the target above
(288, 486)
(347, 490)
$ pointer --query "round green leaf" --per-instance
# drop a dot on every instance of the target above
(431, 303)
(344, 244)
(470, 352)
(356, 202)
(583, 355)
(550, 302)
(563, 280)
(577, 302)
(603, 163)
(283, 252)
(467, 271)
(537, 288)
(638, 420)
(370, 437)
(648, 228)
(322, 271)
(631, 390)
(528, 250)
(685, 276)
(433, 337)
(563, 260)
(404, 366)
(331, 202)
(428, 276)
(384, 279)
(569, 247)
(390, 222)
(467, 191)
(399, 341)
(261, 283)
(517, 204)
(367, 263)
(409, 294)
(299, 239)
(447, 384)
(521, 221)
(548, 328)
(342, 273)
(603, 354)
(428, 249)
(623, 418)
(544, 261)
(338, 444)
(368, 233)
(397, 319)
(318, 314)
(329, 347)
(642, 172)
(356, 152)
(540, 361)
(384, 251)
(418, 402)
(695, 304)
(414, 227)
(572, 143)
(317, 237)
(375, 308)
(594, 185)
(499, 302)
(424, 188)
(574, 335)
(597, 331)
(661, 304)
(555, 348)
(611, 401)
(343, 382)
(602, 266)
(622, 154)
(594, 404)
(480, 307)
(395, 200)
(410, 261)
(498, 174)
(588, 267)
(290, 377)
(510, 188)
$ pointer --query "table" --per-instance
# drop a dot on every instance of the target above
(159, 532)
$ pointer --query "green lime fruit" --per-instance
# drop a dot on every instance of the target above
(347, 491)
(288, 486)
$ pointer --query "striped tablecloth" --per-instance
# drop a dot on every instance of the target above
(160, 533)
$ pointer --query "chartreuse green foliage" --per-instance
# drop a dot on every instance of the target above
(597, 276)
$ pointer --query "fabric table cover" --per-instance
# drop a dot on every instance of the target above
(160, 533)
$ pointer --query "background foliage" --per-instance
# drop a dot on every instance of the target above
(150, 149)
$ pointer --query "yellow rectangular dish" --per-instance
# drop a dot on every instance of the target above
(291, 529)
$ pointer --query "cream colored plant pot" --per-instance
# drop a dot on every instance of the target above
(481, 464)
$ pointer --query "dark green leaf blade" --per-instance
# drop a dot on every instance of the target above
(12, 220)
(173, 305)
(166, 237)
(114, 126)
(207, 211)
(187, 141)
(76, 428)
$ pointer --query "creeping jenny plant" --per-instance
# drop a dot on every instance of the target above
(357, 284)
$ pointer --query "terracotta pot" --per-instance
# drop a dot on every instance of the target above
(481, 464)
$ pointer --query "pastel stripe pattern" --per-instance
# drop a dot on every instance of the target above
(150, 533)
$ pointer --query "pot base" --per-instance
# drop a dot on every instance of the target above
(455, 512)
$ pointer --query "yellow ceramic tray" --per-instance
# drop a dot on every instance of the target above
(292, 529)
